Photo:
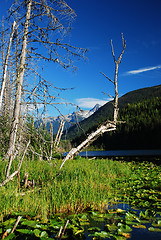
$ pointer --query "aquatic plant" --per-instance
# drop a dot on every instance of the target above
(94, 188)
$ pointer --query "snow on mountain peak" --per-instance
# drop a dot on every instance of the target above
(71, 118)
(95, 108)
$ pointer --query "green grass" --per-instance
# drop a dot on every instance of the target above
(82, 185)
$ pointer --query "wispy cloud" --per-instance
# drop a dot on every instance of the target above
(141, 70)
(90, 102)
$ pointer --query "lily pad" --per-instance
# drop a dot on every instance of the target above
(79, 231)
(44, 234)
(102, 234)
(84, 223)
(124, 228)
(120, 210)
(94, 229)
(112, 227)
(152, 229)
(139, 226)
(128, 222)
(24, 231)
(37, 232)
(30, 223)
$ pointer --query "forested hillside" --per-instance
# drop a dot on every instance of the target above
(141, 130)
(141, 110)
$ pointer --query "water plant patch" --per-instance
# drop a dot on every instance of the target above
(100, 199)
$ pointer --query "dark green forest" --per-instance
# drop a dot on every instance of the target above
(141, 128)
(105, 112)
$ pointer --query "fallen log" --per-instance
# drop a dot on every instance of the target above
(109, 126)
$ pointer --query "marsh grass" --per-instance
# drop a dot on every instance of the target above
(82, 185)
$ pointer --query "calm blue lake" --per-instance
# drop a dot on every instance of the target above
(120, 153)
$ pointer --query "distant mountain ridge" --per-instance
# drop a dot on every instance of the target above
(70, 119)
(106, 111)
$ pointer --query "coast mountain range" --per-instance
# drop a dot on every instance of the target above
(70, 119)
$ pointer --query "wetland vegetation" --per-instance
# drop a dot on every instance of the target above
(98, 197)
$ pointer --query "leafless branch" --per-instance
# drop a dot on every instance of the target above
(107, 77)
(113, 54)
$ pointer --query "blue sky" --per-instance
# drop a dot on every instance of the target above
(96, 24)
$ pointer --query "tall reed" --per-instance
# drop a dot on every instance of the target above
(82, 184)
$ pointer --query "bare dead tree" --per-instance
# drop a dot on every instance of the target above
(19, 167)
(108, 125)
(59, 133)
(39, 23)
(20, 76)
(51, 139)
(117, 62)
(5, 65)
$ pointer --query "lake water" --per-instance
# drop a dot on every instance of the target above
(120, 153)
(136, 234)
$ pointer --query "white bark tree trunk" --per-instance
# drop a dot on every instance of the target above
(117, 62)
(17, 107)
(19, 167)
(51, 139)
(59, 133)
(116, 110)
(5, 65)
(108, 126)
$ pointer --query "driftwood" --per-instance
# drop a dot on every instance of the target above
(9, 178)
(62, 231)
(16, 223)
(14, 228)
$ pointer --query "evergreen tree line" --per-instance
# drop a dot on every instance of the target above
(141, 128)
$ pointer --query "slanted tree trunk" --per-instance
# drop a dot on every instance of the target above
(108, 125)
(5, 65)
(19, 167)
(59, 134)
(16, 113)
(51, 139)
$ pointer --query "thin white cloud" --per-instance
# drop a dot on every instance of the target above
(90, 102)
(141, 70)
